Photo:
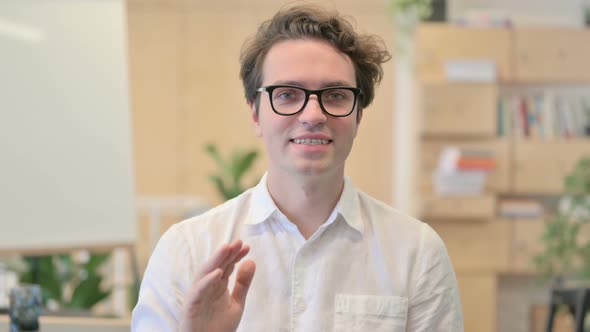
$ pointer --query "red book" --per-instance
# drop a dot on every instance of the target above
(524, 116)
(475, 164)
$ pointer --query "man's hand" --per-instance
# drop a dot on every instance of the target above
(209, 307)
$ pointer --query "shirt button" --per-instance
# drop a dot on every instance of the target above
(300, 306)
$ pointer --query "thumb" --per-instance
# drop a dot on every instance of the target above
(243, 281)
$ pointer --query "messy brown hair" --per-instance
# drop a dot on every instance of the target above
(367, 52)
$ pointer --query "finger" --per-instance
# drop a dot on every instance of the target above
(215, 261)
(243, 252)
(228, 271)
(238, 256)
(234, 250)
(204, 288)
(243, 281)
(220, 259)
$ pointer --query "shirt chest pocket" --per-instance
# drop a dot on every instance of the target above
(360, 313)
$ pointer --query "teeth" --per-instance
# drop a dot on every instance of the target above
(311, 141)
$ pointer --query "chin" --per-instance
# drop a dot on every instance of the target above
(313, 168)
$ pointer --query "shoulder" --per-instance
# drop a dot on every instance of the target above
(220, 216)
(386, 221)
(384, 215)
(205, 232)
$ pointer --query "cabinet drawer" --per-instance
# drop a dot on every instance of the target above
(539, 167)
(551, 54)
(498, 179)
(459, 109)
(526, 243)
(459, 208)
(476, 246)
(438, 43)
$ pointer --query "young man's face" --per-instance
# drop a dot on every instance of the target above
(310, 64)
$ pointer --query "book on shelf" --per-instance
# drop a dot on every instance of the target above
(485, 164)
(545, 115)
(462, 171)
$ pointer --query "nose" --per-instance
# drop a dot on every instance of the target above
(312, 114)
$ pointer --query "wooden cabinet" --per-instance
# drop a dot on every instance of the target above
(482, 246)
(551, 55)
(540, 166)
(525, 244)
(438, 43)
(459, 109)
(464, 115)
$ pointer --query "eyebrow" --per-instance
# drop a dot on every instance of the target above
(323, 85)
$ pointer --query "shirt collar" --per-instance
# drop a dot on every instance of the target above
(349, 206)
(263, 206)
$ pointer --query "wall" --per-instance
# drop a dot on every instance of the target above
(524, 12)
(186, 92)
(65, 153)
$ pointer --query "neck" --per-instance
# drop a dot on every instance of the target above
(307, 200)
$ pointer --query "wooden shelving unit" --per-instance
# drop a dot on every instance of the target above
(483, 246)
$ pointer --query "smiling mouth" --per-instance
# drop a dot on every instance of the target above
(311, 141)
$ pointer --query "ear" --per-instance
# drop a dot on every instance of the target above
(255, 118)
(359, 115)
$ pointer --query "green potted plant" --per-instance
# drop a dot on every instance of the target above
(67, 284)
(566, 239)
(566, 253)
(229, 176)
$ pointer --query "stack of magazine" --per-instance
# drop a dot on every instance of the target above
(462, 171)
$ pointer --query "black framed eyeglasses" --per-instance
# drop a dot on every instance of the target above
(338, 101)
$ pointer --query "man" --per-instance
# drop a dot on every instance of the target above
(321, 255)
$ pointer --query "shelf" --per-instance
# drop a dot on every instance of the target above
(459, 208)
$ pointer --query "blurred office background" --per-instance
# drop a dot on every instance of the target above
(108, 105)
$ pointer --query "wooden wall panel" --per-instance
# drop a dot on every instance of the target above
(370, 164)
(215, 109)
(153, 63)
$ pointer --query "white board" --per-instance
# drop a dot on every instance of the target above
(66, 177)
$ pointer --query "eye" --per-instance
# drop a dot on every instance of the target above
(337, 95)
(287, 95)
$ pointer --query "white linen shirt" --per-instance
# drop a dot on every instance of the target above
(367, 268)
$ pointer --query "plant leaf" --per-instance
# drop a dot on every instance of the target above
(214, 153)
(245, 163)
(87, 293)
(221, 187)
(95, 261)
